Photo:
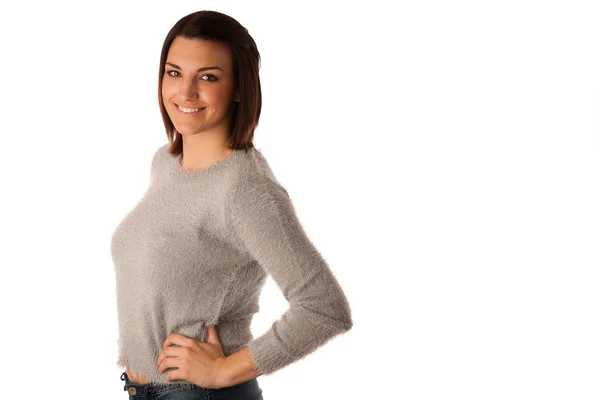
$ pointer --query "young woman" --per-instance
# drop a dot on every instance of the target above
(192, 256)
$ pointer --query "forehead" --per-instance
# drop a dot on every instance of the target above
(195, 53)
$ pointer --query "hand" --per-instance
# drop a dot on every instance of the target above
(199, 363)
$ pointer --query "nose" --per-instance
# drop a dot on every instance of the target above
(188, 91)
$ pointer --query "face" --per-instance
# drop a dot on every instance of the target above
(198, 75)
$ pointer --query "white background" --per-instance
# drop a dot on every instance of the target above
(443, 156)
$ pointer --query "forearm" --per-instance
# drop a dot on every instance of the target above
(239, 367)
(263, 221)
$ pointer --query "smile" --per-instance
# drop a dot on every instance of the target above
(189, 110)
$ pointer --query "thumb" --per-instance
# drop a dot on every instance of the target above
(212, 335)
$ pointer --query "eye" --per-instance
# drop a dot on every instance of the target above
(213, 78)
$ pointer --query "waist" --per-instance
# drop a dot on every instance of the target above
(136, 377)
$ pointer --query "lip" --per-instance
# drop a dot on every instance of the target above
(177, 107)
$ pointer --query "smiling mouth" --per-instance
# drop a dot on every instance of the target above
(192, 112)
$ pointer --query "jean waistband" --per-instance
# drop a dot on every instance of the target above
(132, 387)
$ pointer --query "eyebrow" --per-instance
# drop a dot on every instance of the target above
(199, 69)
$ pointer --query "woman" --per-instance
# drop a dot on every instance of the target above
(192, 256)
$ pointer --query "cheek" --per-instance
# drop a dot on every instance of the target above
(169, 88)
(218, 96)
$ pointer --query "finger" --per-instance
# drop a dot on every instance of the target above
(179, 373)
(213, 335)
(169, 362)
(170, 351)
(179, 340)
(177, 352)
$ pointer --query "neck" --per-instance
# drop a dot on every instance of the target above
(202, 150)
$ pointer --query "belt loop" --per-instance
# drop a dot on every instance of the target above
(125, 378)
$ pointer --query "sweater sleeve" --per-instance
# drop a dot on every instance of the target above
(263, 218)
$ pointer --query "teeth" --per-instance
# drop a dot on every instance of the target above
(188, 110)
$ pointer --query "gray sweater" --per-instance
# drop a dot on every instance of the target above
(195, 252)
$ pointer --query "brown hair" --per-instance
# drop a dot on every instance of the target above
(218, 27)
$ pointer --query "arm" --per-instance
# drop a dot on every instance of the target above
(263, 220)
(239, 367)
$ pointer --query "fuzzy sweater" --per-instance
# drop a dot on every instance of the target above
(195, 252)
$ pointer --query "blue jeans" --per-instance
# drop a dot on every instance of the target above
(248, 390)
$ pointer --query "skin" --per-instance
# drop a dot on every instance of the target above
(204, 143)
(204, 133)
(204, 364)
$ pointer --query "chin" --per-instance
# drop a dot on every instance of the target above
(188, 131)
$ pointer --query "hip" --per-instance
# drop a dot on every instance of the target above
(249, 390)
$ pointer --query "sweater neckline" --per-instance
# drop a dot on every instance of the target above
(176, 169)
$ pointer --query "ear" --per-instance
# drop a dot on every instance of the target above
(237, 96)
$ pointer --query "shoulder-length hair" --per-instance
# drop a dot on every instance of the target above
(212, 25)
